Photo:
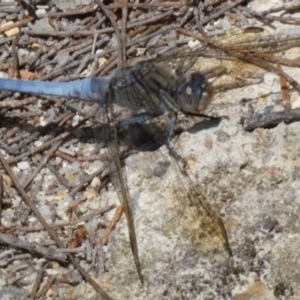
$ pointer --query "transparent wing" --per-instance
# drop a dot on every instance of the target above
(118, 178)
(236, 60)
(182, 221)
(239, 58)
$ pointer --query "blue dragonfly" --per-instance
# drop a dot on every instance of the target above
(146, 88)
(150, 90)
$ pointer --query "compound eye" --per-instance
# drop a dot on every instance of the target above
(191, 95)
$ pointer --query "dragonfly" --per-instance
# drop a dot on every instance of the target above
(146, 87)
(149, 89)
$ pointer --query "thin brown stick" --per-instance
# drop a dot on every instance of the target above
(41, 165)
(43, 290)
(89, 178)
(16, 24)
(32, 247)
(11, 3)
(37, 283)
(150, 5)
(285, 96)
(221, 11)
(243, 56)
(123, 29)
(267, 17)
(73, 222)
(112, 64)
(98, 257)
(271, 120)
(1, 196)
(117, 32)
(14, 54)
(65, 14)
(17, 103)
(60, 177)
(65, 156)
(112, 225)
(50, 231)
(40, 148)
(66, 119)
(51, 141)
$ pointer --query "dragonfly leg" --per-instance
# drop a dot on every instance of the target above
(205, 116)
(139, 118)
(171, 149)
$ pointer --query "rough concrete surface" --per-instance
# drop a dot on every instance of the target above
(250, 179)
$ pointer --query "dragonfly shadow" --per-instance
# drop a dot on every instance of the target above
(144, 137)
(202, 125)
(30, 132)
(153, 135)
(138, 137)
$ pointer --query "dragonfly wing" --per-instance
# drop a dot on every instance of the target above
(150, 89)
(176, 217)
(117, 174)
(237, 59)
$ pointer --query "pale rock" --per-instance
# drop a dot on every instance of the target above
(38, 177)
(193, 43)
(95, 166)
(95, 182)
(7, 179)
(10, 32)
(102, 60)
(58, 160)
(69, 177)
(23, 165)
(226, 24)
(40, 11)
(257, 291)
(140, 51)
(296, 103)
(51, 272)
(16, 170)
(67, 151)
(23, 52)
(46, 213)
(62, 58)
(43, 121)
(91, 194)
(42, 25)
(4, 75)
(75, 165)
(271, 79)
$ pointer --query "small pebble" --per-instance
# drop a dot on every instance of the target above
(193, 44)
(69, 177)
(46, 213)
(4, 75)
(270, 79)
(40, 11)
(95, 182)
(75, 165)
(10, 32)
(296, 104)
(23, 165)
(268, 224)
(23, 52)
(95, 166)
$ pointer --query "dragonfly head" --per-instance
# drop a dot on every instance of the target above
(195, 94)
